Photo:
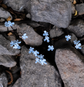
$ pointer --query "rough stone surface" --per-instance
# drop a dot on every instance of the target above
(55, 32)
(3, 80)
(5, 47)
(71, 67)
(82, 50)
(36, 75)
(4, 14)
(80, 8)
(33, 38)
(77, 27)
(55, 12)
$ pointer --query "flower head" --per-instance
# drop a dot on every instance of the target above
(43, 61)
(41, 56)
(76, 42)
(78, 46)
(46, 38)
(24, 36)
(16, 46)
(45, 33)
(50, 48)
(68, 37)
(31, 50)
(35, 52)
(9, 23)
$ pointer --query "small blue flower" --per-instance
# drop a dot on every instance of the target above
(9, 23)
(76, 42)
(37, 60)
(41, 56)
(45, 33)
(50, 48)
(68, 37)
(16, 46)
(36, 53)
(31, 50)
(12, 43)
(24, 36)
(43, 61)
(78, 46)
(46, 39)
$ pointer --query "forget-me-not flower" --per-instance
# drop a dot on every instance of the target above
(9, 23)
(37, 60)
(31, 50)
(24, 36)
(68, 37)
(16, 46)
(43, 61)
(50, 48)
(45, 33)
(41, 56)
(35, 52)
(46, 38)
(76, 42)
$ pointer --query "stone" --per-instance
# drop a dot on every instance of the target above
(80, 8)
(55, 32)
(77, 27)
(7, 61)
(82, 49)
(5, 48)
(56, 12)
(3, 80)
(4, 14)
(33, 39)
(36, 75)
(70, 64)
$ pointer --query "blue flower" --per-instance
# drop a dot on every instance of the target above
(50, 48)
(31, 50)
(16, 46)
(37, 60)
(43, 61)
(76, 42)
(45, 33)
(78, 46)
(41, 56)
(36, 53)
(9, 23)
(68, 37)
(46, 38)
(24, 36)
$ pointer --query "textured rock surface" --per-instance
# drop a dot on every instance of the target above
(3, 80)
(36, 75)
(5, 47)
(4, 13)
(55, 12)
(82, 50)
(55, 32)
(80, 8)
(33, 38)
(71, 67)
(77, 27)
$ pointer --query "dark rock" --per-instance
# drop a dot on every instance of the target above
(77, 27)
(80, 8)
(55, 32)
(36, 75)
(5, 47)
(33, 38)
(82, 49)
(55, 12)
(4, 14)
(71, 67)
(3, 80)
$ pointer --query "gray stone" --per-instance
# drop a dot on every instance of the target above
(36, 75)
(7, 61)
(55, 32)
(4, 14)
(71, 67)
(5, 47)
(55, 12)
(3, 80)
(80, 8)
(33, 38)
(77, 27)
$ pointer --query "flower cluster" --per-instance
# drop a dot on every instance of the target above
(76, 43)
(40, 58)
(9, 23)
(46, 36)
(24, 36)
(15, 44)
